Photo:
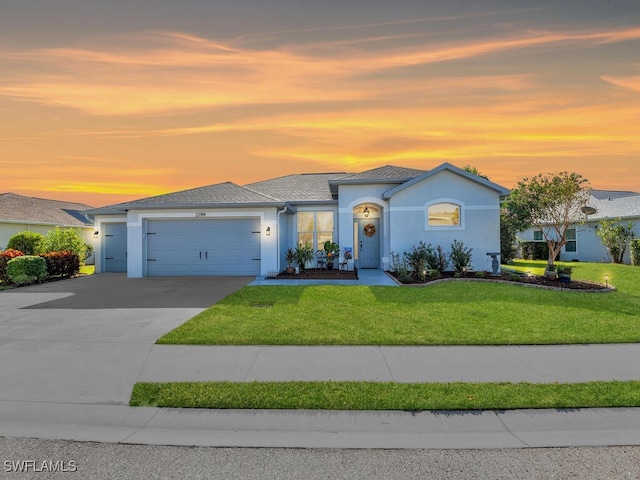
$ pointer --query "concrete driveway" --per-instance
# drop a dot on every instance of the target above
(86, 340)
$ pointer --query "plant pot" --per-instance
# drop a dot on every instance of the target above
(564, 278)
(550, 275)
(290, 270)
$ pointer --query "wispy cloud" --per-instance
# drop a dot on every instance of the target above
(172, 71)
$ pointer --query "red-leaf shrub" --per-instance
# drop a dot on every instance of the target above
(5, 256)
(61, 264)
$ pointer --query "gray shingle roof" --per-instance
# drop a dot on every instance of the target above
(305, 187)
(19, 208)
(226, 193)
(385, 173)
(614, 204)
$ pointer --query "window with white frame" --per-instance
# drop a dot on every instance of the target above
(537, 236)
(315, 228)
(571, 245)
(443, 214)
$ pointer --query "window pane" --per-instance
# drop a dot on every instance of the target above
(323, 237)
(305, 238)
(305, 222)
(537, 236)
(444, 214)
(571, 234)
(324, 221)
(570, 246)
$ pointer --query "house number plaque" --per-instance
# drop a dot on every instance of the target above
(200, 214)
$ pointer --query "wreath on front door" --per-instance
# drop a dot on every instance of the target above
(369, 230)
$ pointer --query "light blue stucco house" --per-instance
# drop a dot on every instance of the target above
(583, 243)
(228, 229)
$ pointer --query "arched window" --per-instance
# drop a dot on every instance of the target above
(443, 214)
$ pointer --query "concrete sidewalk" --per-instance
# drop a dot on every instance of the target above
(535, 364)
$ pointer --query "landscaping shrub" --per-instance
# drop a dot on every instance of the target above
(401, 268)
(61, 264)
(460, 257)
(65, 240)
(26, 242)
(4, 258)
(534, 250)
(635, 252)
(27, 269)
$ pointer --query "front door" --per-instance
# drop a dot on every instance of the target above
(369, 242)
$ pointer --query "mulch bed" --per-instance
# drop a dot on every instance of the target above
(521, 279)
(319, 274)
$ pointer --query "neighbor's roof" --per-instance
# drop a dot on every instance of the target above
(220, 194)
(303, 187)
(614, 204)
(18, 208)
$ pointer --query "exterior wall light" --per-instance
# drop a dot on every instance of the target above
(268, 232)
(95, 234)
(366, 211)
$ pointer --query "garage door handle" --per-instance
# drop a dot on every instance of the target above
(206, 255)
(200, 255)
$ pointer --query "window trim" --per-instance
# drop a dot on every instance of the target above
(573, 240)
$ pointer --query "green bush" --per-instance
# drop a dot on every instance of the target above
(65, 240)
(61, 264)
(4, 258)
(635, 252)
(534, 250)
(27, 269)
(460, 257)
(27, 242)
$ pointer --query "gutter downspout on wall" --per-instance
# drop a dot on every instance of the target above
(285, 209)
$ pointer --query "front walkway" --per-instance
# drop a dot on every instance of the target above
(367, 277)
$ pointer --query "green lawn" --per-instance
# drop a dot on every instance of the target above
(453, 313)
(386, 396)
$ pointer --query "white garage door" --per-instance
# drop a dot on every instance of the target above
(115, 247)
(203, 247)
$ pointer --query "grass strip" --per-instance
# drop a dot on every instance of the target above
(334, 395)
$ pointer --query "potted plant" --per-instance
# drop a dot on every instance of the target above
(304, 254)
(564, 273)
(332, 250)
(291, 258)
(550, 272)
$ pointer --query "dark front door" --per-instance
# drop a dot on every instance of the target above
(369, 242)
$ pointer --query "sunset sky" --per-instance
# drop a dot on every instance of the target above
(107, 101)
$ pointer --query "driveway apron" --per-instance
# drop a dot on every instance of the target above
(86, 340)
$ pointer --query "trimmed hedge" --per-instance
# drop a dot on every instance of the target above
(635, 252)
(535, 251)
(4, 258)
(61, 264)
(26, 242)
(27, 269)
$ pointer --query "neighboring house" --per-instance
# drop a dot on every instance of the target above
(19, 214)
(228, 229)
(583, 243)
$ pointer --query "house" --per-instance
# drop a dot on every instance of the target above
(19, 213)
(583, 243)
(228, 229)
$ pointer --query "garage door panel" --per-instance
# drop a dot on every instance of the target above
(203, 247)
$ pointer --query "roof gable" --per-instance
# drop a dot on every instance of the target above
(453, 169)
(19, 208)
